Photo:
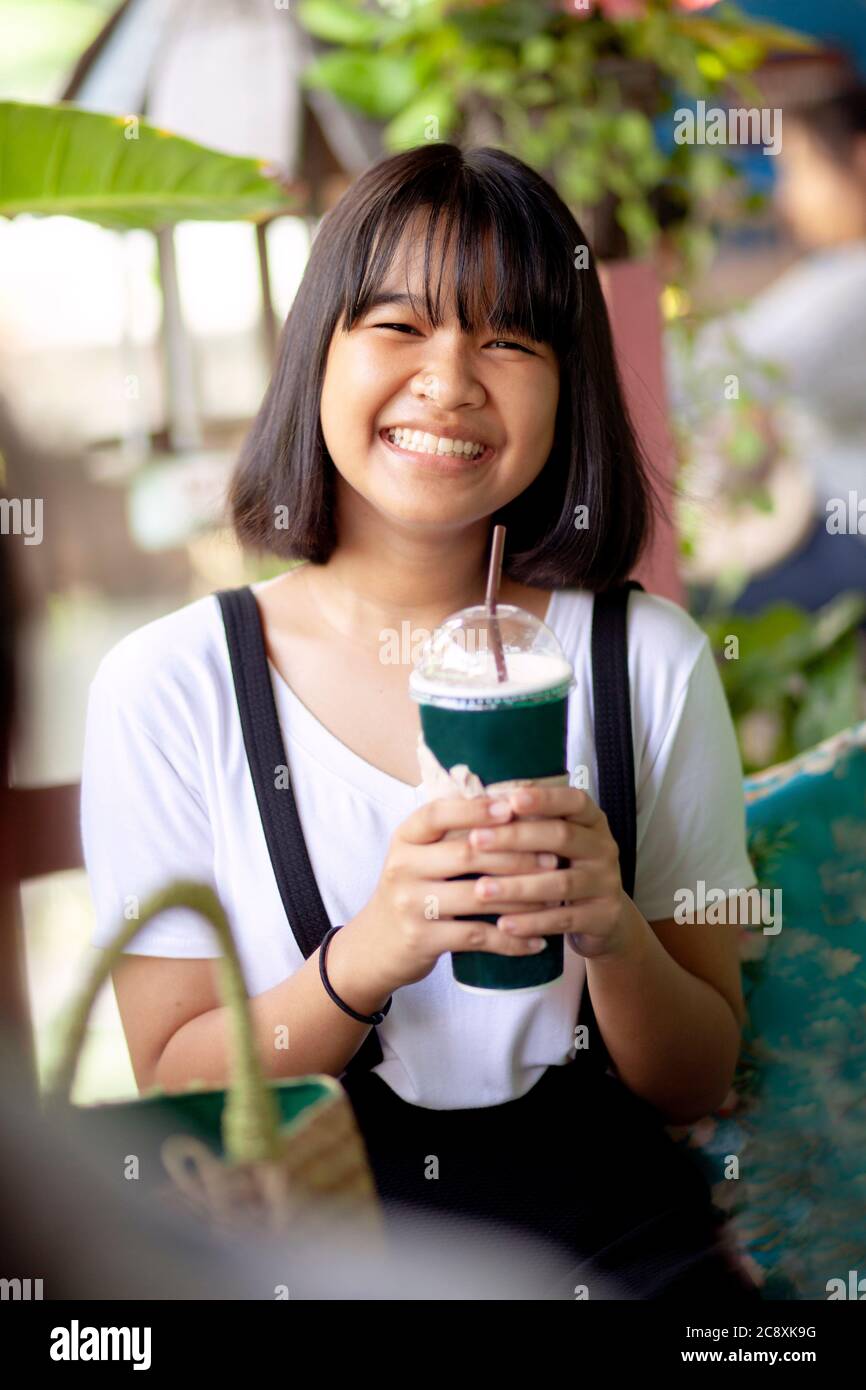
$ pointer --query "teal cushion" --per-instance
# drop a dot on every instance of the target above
(796, 1119)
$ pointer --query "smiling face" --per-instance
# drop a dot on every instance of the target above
(405, 403)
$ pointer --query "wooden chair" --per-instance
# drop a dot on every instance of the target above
(39, 834)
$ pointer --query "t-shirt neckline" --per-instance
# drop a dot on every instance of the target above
(331, 752)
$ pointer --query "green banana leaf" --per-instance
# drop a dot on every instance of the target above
(122, 172)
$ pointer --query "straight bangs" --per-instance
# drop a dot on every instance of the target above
(485, 255)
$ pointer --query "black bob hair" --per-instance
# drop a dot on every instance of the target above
(499, 213)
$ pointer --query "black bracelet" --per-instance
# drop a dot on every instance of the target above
(361, 1018)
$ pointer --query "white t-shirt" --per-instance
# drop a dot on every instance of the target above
(167, 793)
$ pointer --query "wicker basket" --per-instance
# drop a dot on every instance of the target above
(283, 1156)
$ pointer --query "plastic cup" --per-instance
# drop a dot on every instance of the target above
(501, 730)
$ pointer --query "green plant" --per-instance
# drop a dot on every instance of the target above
(724, 417)
(572, 94)
(122, 172)
(40, 41)
(791, 678)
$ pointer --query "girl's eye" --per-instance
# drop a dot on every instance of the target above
(396, 325)
(497, 342)
(518, 347)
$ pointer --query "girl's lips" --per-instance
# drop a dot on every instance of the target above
(438, 463)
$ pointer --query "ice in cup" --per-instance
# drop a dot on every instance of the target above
(504, 731)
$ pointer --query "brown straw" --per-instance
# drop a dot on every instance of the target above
(493, 576)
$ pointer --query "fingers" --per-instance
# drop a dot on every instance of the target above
(570, 802)
(554, 836)
(435, 899)
(481, 936)
(450, 858)
(434, 819)
(595, 916)
(557, 886)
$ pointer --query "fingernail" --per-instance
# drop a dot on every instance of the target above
(500, 808)
(524, 800)
(537, 943)
(548, 861)
(481, 838)
(489, 888)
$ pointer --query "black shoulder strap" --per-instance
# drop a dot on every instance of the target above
(614, 749)
(611, 700)
(269, 768)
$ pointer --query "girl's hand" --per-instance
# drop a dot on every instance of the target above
(586, 898)
(410, 921)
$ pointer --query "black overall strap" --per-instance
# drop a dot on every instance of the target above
(271, 776)
(611, 701)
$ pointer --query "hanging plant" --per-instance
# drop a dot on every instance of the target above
(576, 88)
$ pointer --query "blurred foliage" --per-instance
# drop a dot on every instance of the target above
(723, 418)
(574, 94)
(62, 160)
(40, 40)
(794, 678)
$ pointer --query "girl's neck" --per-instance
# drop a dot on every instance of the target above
(359, 597)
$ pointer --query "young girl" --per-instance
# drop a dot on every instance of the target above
(447, 364)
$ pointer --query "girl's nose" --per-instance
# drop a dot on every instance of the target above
(450, 384)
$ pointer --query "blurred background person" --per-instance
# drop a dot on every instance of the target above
(809, 326)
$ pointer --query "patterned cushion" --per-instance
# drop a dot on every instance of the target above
(796, 1118)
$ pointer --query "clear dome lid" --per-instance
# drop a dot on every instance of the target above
(457, 663)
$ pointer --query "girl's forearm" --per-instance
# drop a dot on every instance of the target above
(299, 1031)
(673, 1038)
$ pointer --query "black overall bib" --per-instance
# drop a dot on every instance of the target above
(579, 1160)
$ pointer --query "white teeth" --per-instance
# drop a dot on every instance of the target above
(419, 442)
